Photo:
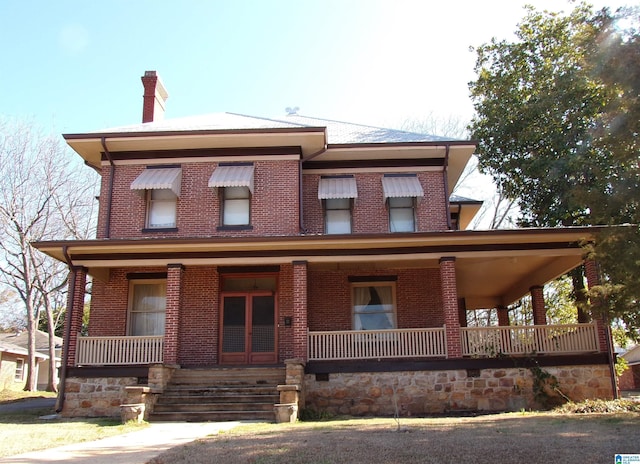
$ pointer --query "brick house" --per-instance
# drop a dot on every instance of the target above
(324, 260)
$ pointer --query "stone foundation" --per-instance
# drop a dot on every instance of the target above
(436, 392)
(95, 397)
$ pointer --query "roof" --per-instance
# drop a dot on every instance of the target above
(338, 132)
(632, 355)
(21, 340)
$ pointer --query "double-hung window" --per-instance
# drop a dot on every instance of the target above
(19, 374)
(337, 194)
(236, 206)
(235, 184)
(147, 307)
(374, 306)
(161, 187)
(401, 192)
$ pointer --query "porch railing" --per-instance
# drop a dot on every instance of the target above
(522, 340)
(374, 344)
(118, 351)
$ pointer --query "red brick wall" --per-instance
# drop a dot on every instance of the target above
(199, 316)
(370, 214)
(274, 205)
(285, 309)
(418, 298)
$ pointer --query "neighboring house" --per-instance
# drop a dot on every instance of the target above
(337, 250)
(14, 359)
(630, 379)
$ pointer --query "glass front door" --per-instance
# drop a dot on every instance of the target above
(248, 328)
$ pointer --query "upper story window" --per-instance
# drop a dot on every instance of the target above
(161, 185)
(401, 192)
(161, 209)
(147, 307)
(236, 206)
(337, 194)
(236, 184)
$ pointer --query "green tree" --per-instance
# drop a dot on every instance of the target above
(554, 132)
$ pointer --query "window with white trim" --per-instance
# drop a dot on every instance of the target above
(161, 208)
(337, 215)
(236, 206)
(402, 214)
(19, 374)
(374, 306)
(147, 307)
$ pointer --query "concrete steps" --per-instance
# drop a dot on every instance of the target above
(220, 394)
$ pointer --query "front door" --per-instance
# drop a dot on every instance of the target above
(248, 328)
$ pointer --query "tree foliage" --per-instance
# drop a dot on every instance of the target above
(557, 121)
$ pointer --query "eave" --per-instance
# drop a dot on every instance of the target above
(493, 267)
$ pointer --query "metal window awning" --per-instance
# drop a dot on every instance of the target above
(232, 176)
(160, 178)
(401, 186)
(337, 187)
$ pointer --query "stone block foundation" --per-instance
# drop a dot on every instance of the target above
(96, 397)
(436, 392)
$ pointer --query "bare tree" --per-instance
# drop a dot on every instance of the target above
(39, 185)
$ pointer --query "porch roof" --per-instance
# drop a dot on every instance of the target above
(494, 267)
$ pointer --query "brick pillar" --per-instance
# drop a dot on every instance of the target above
(503, 316)
(462, 312)
(300, 329)
(450, 306)
(75, 307)
(537, 303)
(597, 312)
(172, 315)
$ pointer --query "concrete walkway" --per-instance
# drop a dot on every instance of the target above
(132, 448)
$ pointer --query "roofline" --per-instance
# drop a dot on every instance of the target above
(588, 230)
(173, 133)
(426, 143)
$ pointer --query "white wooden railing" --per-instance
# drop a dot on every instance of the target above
(118, 351)
(375, 344)
(533, 339)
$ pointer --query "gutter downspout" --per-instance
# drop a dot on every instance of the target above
(107, 225)
(302, 229)
(67, 332)
(447, 205)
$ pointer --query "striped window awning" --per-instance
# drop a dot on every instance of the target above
(337, 187)
(235, 175)
(401, 186)
(159, 178)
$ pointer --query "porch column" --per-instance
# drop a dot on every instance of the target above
(299, 323)
(172, 315)
(597, 314)
(537, 303)
(75, 308)
(503, 315)
(450, 306)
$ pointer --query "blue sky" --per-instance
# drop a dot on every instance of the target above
(75, 65)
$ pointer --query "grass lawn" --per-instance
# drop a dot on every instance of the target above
(509, 437)
(24, 431)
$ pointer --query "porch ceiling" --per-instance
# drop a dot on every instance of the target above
(493, 267)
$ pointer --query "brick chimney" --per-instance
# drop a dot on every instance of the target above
(154, 97)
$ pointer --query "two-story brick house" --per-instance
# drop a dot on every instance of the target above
(228, 241)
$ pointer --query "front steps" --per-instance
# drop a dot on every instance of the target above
(220, 394)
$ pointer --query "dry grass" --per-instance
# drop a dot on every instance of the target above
(513, 438)
(24, 431)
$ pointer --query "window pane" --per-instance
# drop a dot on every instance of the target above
(148, 306)
(236, 212)
(162, 208)
(401, 202)
(234, 193)
(373, 307)
(162, 214)
(338, 221)
(338, 203)
(401, 220)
